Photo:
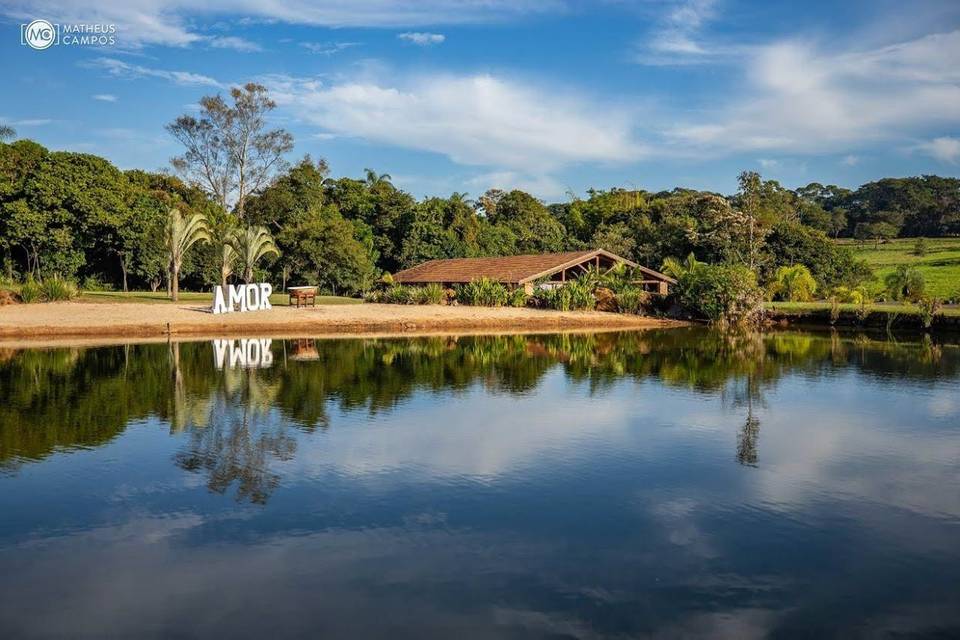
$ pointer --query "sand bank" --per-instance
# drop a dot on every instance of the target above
(138, 320)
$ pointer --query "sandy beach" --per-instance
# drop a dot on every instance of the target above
(43, 322)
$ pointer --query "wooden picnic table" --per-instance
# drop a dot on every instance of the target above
(306, 295)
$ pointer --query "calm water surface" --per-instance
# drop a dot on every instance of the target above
(667, 484)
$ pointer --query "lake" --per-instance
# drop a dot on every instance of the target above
(663, 483)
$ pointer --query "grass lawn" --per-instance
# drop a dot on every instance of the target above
(940, 266)
(952, 310)
(160, 297)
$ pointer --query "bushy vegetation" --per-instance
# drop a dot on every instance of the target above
(409, 294)
(30, 291)
(51, 289)
(517, 298)
(722, 293)
(575, 295)
(850, 296)
(906, 283)
(633, 300)
(482, 292)
(793, 284)
(55, 289)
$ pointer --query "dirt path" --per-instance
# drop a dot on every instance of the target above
(137, 320)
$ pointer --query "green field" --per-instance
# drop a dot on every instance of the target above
(906, 309)
(940, 266)
(160, 297)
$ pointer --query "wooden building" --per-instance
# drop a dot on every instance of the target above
(528, 271)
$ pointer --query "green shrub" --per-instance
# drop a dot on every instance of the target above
(398, 294)
(722, 293)
(929, 309)
(794, 283)
(920, 247)
(93, 283)
(483, 292)
(430, 294)
(906, 283)
(517, 298)
(575, 295)
(848, 295)
(55, 289)
(633, 300)
(30, 290)
(829, 263)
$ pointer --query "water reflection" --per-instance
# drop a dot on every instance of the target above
(676, 483)
(224, 392)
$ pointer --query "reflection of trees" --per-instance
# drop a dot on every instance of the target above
(747, 453)
(239, 440)
(60, 398)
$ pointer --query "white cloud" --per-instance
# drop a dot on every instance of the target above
(235, 43)
(26, 122)
(422, 39)
(123, 69)
(472, 119)
(675, 38)
(945, 149)
(851, 160)
(800, 98)
(105, 97)
(327, 48)
(171, 22)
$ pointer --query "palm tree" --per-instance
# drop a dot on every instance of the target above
(676, 269)
(794, 283)
(373, 179)
(181, 234)
(7, 132)
(228, 258)
(250, 245)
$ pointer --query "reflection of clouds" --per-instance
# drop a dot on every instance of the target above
(473, 434)
(678, 518)
(741, 624)
(943, 405)
(138, 585)
(872, 452)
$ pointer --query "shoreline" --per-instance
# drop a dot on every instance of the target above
(62, 321)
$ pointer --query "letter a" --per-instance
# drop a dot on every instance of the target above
(219, 304)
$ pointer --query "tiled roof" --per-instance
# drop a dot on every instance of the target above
(507, 269)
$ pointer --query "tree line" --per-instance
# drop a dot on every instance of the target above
(236, 209)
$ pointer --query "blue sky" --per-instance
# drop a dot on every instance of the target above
(550, 96)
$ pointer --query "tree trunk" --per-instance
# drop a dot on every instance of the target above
(175, 283)
(123, 270)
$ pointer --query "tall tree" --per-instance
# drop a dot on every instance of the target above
(181, 233)
(7, 132)
(324, 248)
(749, 199)
(230, 152)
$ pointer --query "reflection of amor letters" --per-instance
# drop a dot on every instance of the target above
(242, 297)
(248, 353)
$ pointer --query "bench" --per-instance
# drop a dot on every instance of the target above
(302, 295)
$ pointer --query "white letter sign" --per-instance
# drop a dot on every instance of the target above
(248, 297)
